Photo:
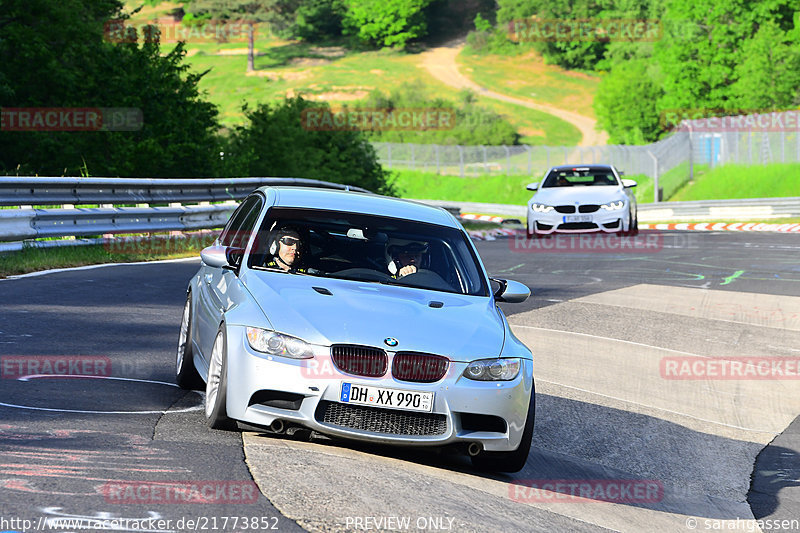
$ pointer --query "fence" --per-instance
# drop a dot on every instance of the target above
(670, 162)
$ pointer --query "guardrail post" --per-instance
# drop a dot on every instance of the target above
(390, 156)
(485, 160)
(437, 159)
(657, 197)
(461, 159)
(413, 162)
(530, 158)
(508, 159)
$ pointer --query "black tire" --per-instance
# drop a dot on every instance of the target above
(217, 386)
(510, 461)
(635, 230)
(186, 375)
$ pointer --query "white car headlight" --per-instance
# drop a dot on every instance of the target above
(614, 206)
(493, 369)
(541, 208)
(274, 343)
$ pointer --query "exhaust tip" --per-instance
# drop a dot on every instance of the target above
(277, 426)
(474, 448)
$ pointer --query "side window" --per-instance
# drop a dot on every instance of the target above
(241, 223)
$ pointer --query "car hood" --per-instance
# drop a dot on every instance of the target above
(464, 328)
(583, 195)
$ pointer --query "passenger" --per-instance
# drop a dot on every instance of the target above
(406, 259)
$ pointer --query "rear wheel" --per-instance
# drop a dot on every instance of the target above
(217, 386)
(186, 374)
(510, 461)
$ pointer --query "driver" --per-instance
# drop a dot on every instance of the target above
(286, 250)
(406, 259)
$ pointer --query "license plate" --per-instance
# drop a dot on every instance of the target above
(405, 400)
(577, 218)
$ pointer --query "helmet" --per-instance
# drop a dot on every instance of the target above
(395, 247)
(278, 234)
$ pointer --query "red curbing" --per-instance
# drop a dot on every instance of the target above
(725, 226)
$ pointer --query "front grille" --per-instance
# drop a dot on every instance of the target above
(578, 225)
(419, 367)
(565, 208)
(360, 360)
(588, 208)
(377, 420)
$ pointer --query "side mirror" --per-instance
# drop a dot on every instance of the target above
(533, 186)
(222, 256)
(629, 184)
(621, 172)
(510, 291)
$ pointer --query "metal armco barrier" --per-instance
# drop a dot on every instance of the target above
(733, 210)
(20, 224)
(27, 223)
(43, 191)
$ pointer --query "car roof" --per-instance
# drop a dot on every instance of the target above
(589, 167)
(356, 202)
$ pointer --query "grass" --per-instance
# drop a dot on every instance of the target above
(742, 181)
(332, 74)
(125, 251)
(527, 76)
(491, 189)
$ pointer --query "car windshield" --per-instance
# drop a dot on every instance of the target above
(583, 176)
(370, 248)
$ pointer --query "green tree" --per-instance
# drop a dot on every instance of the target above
(626, 104)
(276, 143)
(386, 22)
(249, 12)
(54, 55)
(768, 77)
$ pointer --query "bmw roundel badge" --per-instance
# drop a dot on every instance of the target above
(390, 341)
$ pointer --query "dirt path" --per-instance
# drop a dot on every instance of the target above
(441, 63)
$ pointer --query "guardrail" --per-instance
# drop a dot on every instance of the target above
(28, 223)
(42, 191)
(735, 210)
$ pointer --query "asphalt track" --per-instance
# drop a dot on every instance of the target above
(601, 324)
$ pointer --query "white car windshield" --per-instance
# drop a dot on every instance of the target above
(368, 248)
(585, 176)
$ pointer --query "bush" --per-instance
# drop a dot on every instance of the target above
(275, 143)
(473, 124)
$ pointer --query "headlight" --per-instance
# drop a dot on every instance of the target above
(273, 343)
(613, 206)
(493, 369)
(541, 208)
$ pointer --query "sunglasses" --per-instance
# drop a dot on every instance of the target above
(290, 241)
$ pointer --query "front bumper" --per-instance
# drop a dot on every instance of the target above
(464, 411)
(601, 221)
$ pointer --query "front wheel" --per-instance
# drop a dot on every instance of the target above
(217, 386)
(510, 461)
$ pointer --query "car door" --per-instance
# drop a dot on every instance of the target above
(213, 298)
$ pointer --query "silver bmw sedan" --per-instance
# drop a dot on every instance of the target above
(357, 316)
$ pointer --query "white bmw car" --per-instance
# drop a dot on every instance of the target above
(362, 317)
(582, 199)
